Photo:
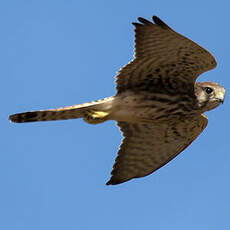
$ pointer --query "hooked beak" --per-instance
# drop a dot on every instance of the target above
(220, 96)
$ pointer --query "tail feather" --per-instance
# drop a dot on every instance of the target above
(69, 112)
(45, 115)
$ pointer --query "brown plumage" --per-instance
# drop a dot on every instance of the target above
(158, 106)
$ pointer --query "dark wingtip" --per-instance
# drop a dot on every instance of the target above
(156, 20)
(159, 22)
(113, 182)
(136, 24)
(144, 21)
(108, 183)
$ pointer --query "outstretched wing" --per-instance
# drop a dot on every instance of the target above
(162, 57)
(147, 147)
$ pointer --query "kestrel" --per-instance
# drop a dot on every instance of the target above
(158, 105)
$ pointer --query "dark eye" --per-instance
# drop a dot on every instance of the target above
(208, 90)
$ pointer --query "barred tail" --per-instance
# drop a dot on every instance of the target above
(69, 112)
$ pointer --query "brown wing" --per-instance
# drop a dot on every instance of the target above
(162, 56)
(147, 147)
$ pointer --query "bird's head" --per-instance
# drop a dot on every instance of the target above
(209, 95)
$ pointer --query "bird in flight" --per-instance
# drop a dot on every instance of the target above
(158, 105)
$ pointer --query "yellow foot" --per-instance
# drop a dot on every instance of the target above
(95, 117)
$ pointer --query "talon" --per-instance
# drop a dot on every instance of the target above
(95, 117)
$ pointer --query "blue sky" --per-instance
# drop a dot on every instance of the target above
(52, 175)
